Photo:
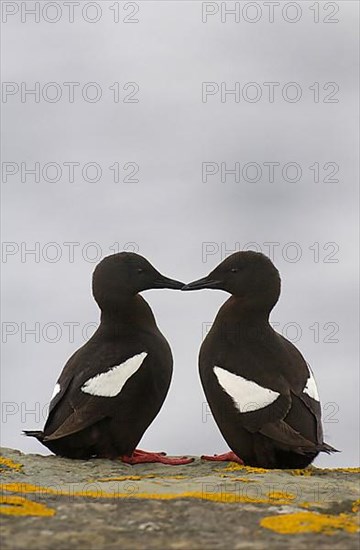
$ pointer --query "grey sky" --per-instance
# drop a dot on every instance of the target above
(171, 216)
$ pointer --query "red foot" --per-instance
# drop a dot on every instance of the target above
(226, 457)
(141, 457)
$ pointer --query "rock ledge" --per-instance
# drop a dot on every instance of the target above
(54, 503)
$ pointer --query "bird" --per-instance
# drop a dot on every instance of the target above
(113, 387)
(261, 391)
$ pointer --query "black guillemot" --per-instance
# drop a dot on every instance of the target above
(112, 388)
(261, 391)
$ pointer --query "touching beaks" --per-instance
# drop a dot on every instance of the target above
(205, 282)
(166, 282)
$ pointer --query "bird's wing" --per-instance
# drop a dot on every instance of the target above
(310, 398)
(276, 406)
(257, 404)
(64, 381)
(284, 434)
(266, 411)
(272, 387)
(302, 384)
(84, 416)
(88, 386)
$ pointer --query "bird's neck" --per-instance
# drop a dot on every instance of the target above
(246, 311)
(127, 314)
(237, 320)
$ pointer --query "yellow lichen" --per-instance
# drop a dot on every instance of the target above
(137, 478)
(234, 467)
(309, 522)
(219, 496)
(232, 498)
(26, 488)
(341, 470)
(8, 463)
(307, 504)
(125, 478)
(231, 467)
(174, 476)
(356, 506)
(302, 472)
(279, 495)
(19, 506)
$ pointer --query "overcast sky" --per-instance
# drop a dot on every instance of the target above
(137, 117)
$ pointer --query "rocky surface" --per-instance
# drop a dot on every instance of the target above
(54, 503)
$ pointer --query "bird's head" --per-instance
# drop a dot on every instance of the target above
(248, 275)
(125, 274)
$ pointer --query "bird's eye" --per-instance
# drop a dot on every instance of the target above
(234, 270)
(140, 270)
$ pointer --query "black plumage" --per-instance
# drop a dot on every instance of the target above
(281, 426)
(83, 424)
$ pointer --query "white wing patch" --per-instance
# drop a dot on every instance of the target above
(246, 394)
(311, 388)
(110, 383)
(56, 391)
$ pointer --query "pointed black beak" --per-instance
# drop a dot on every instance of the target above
(205, 282)
(166, 282)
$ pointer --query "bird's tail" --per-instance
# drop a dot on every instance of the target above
(325, 448)
(317, 448)
(34, 433)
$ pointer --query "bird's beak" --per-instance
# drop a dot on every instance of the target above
(205, 282)
(166, 282)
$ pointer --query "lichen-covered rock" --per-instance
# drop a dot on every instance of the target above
(55, 503)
